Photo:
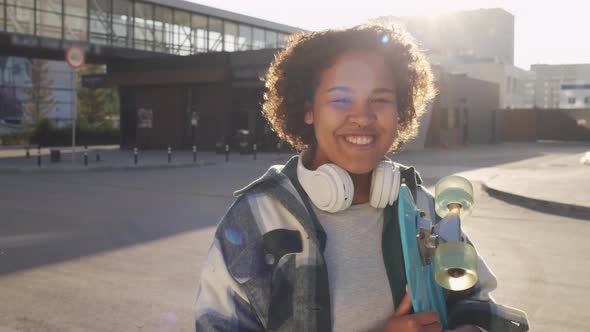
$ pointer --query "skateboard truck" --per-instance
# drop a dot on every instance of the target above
(455, 262)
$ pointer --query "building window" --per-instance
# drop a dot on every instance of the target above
(20, 16)
(448, 118)
(245, 38)
(231, 34)
(271, 39)
(163, 29)
(100, 21)
(258, 40)
(122, 12)
(182, 33)
(143, 32)
(215, 35)
(75, 20)
(48, 18)
(199, 26)
(571, 100)
(283, 39)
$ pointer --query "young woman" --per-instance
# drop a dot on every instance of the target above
(314, 245)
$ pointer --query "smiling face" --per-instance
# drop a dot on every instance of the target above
(354, 112)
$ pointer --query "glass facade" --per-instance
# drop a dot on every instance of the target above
(134, 24)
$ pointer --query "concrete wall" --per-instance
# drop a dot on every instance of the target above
(528, 125)
(468, 106)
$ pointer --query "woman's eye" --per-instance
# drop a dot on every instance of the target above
(382, 101)
(342, 100)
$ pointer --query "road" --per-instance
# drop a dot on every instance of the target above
(122, 250)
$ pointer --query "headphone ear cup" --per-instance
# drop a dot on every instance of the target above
(319, 186)
(396, 183)
(344, 187)
(384, 184)
(381, 184)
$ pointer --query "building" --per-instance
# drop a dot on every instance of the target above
(478, 43)
(574, 96)
(462, 113)
(483, 35)
(115, 33)
(562, 86)
(516, 85)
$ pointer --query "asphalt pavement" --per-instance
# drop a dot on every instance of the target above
(547, 176)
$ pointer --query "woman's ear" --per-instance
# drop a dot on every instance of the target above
(308, 116)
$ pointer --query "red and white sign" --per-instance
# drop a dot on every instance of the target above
(582, 122)
(75, 57)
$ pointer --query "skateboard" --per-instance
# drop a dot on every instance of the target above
(437, 256)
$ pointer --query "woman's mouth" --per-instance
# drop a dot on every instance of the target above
(359, 140)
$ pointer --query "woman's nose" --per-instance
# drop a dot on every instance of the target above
(362, 115)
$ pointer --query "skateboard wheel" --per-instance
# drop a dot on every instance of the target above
(455, 266)
(453, 192)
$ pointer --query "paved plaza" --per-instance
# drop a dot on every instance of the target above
(119, 247)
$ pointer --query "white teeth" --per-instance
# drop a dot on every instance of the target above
(360, 140)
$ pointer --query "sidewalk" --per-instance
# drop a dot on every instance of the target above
(546, 175)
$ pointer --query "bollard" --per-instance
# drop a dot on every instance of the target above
(254, 150)
(169, 154)
(279, 148)
(85, 156)
(226, 153)
(39, 156)
(97, 156)
(194, 153)
(135, 152)
(28, 153)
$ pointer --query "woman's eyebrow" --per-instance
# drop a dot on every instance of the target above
(340, 88)
(380, 90)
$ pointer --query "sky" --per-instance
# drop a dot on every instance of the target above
(549, 32)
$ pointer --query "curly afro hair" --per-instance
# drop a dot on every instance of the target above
(295, 73)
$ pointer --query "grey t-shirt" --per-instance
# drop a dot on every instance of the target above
(359, 290)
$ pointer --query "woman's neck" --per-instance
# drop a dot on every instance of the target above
(362, 188)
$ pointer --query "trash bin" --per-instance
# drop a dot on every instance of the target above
(55, 155)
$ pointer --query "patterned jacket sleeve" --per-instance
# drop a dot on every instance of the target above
(475, 305)
(222, 304)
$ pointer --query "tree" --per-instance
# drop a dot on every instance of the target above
(39, 96)
(96, 106)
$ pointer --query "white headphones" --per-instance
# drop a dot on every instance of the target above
(330, 188)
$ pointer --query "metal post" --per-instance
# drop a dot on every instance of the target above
(254, 148)
(85, 155)
(169, 154)
(226, 153)
(39, 156)
(97, 156)
(279, 148)
(73, 115)
(28, 153)
(135, 157)
(194, 153)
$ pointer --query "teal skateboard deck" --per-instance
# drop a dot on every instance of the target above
(425, 293)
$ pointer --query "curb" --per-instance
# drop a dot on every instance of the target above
(104, 168)
(541, 205)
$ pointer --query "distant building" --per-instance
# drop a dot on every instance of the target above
(562, 86)
(574, 96)
(483, 35)
(477, 43)
(516, 85)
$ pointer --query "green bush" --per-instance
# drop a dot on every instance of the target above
(47, 135)
(21, 138)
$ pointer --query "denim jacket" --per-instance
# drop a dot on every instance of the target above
(265, 270)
